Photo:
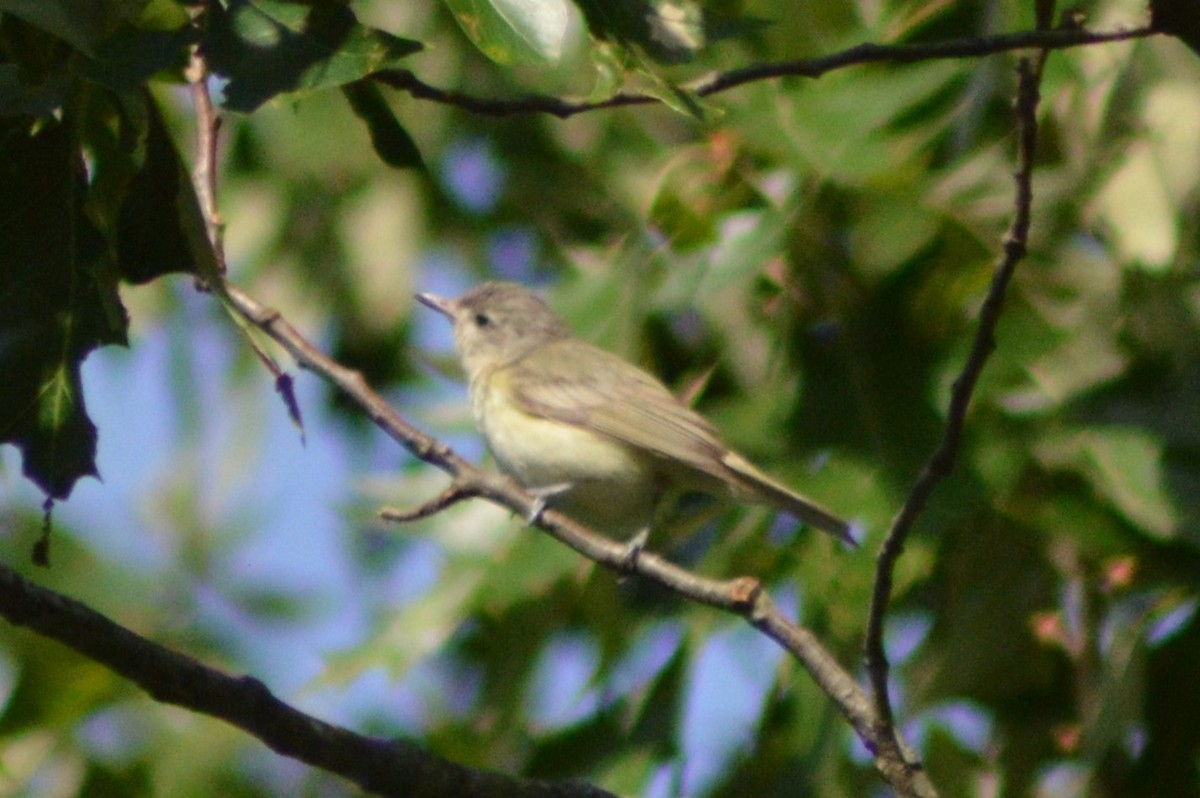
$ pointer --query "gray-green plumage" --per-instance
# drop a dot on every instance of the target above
(560, 411)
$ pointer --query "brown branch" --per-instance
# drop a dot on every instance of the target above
(382, 766)
(451, 495)
(204, 173)
(867, 53)
(210, 276)
(941, 463)
(742, 596)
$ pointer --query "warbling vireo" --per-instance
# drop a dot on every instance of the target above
(590, 434)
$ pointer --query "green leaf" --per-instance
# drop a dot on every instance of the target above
(53, 308)
(668, 31)
(674, 97)
(269, 47)
(160, 226)
(84, 24)
(891, 230)
(531, 566)
(411, 634)
(856, 131)
(1161, 171)
(131, 57)
(389, 138)
(1124, 466)
(18, 98)
(513, 31)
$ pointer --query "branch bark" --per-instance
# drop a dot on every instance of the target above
(401, 768)
(866, 53)
(941, 463)
(742, 596)
(386, 767)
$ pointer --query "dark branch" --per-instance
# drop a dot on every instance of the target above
(867, 53)
(742, 596)
(451, 495)
(941, 463)
(386, 767)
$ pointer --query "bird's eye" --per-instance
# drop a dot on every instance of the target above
(482, 319)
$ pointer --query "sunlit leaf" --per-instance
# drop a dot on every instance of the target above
(1144, 231)
(668, 31)
(1125, 468)
(513, 31)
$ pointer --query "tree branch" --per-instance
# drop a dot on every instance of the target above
(204, 176)
(743, 596)
(866, 53)
(386, 767)
(941, 463)
(401, 768)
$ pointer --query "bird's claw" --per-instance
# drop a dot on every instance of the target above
(541, 496)
(633, 550)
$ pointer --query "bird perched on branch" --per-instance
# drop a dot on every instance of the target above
(589, 433)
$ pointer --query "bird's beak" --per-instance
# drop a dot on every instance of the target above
(440, 304)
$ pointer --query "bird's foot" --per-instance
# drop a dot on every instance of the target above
(633, 550)
(543, 495)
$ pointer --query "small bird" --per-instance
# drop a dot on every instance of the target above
(587, 432)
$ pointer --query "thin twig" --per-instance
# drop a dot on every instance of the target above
(941, 463)
(204, 175)
(451, 495)
(867, 53)
(204, 181)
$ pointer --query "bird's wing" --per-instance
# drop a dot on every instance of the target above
(617, 399)
(623, 402)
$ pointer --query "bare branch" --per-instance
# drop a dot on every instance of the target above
(454, 494)
(941, 463)
(867, 53)
(742, 596)
(385, 767)
(204, 173)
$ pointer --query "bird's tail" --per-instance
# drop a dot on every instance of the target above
(760, 488)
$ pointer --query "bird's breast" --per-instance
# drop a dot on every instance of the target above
(613, 482)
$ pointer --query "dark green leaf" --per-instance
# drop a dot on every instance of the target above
(388, 136)
(53, 308)
(1124, 467)
(667, 31)
(82, 23)
(131, 57)
(269, 47)
(1179, 18)
(159, 229)
(18, 98)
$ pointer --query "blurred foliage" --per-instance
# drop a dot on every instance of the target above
(811, 253)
